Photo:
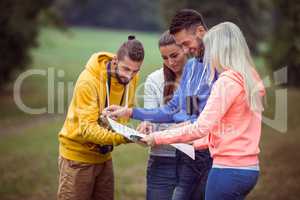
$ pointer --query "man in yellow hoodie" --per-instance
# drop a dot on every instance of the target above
(85, 142)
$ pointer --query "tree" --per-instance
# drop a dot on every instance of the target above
(19, 26)
(284, 48)
(117, 14)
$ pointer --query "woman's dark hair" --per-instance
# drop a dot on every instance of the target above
(131, 48)
(169, 76)
(186, 19)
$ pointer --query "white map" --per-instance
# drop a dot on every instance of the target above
(128, 132)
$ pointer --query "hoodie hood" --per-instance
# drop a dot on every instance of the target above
(96, 65)
(237, 77)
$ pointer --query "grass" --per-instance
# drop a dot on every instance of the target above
(28, 165)
(79, 44)
(29, 146)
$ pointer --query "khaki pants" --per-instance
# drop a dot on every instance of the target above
(83, 181)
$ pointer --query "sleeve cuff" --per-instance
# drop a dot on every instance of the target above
(137, 113)
(119, 139)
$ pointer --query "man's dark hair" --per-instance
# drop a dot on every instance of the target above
(185, 19)
(131, 48)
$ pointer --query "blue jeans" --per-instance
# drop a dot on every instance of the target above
(179, 178)
(192, 175)
(161, 177)
(230, 184)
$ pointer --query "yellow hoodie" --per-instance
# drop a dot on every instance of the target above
(81, 132)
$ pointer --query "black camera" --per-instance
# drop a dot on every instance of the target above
(104, 149)
(192, 105)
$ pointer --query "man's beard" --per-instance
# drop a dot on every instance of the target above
(121, 80)
(200, 52)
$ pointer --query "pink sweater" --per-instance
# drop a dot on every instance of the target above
(233, 129)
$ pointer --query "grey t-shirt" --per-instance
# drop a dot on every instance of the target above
(154, 87)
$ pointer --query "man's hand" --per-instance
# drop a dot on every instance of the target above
(103, 122)
(145, 128)
(115, 111)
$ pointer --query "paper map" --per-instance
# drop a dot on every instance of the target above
(128, 132)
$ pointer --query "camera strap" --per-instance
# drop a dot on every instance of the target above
(108, 86)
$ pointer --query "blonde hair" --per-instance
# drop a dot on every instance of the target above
(225, 44)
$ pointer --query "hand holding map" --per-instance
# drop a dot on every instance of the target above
(133, 135)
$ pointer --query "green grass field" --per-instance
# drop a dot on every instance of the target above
(29, 146)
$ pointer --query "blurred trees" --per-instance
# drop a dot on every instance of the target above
(20, 22)
(284, 48)
(271, 27)
(118, 14)
(19, 26)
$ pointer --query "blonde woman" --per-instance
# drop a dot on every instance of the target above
(231, 117)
